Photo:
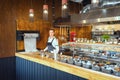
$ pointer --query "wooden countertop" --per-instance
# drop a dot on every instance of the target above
(75, 70)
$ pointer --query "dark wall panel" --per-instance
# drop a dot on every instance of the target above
(7, 68)
(7, 29)
(27, 70)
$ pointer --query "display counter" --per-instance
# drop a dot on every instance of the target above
(95, 46)
(64, 67)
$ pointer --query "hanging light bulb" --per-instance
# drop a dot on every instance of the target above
(95, 3)
(45, 9)
(31, 12)
(64, 4)
(64, 8)
(45, 12)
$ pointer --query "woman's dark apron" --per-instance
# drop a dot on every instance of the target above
(50, 46)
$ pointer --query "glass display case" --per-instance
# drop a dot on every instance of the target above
(98, 34)
(99, 57)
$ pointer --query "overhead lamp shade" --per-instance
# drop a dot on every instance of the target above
(31, 11)
(64, 8)
(45, 12)
(64, 2)
(45, 6)
(95, 3)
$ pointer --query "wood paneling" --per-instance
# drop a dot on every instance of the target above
(81, 32)
(7, 29)
(12, 10)
(74, 7)
(39, 25)
(43, 27)
(44, 34)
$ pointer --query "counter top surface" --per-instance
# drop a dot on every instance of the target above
(72, 69)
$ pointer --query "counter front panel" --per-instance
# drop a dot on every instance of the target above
(29, 70)
(44, 68)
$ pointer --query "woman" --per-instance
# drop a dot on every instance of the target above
(52, 43)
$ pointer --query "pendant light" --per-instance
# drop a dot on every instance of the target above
(31, 11)
(45, 11)
(64, 4)
(95, 3)
(64, 8)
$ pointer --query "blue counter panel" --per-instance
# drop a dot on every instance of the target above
(7, 68)
(28, 70)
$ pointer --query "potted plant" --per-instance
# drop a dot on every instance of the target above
(105, 37)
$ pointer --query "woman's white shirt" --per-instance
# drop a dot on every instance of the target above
(55, 44)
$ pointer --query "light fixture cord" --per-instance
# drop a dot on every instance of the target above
(45, 2)
(31, 4)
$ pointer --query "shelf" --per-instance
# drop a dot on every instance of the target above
(95, 46)
(103, 34)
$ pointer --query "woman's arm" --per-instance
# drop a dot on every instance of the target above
(46, 49)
